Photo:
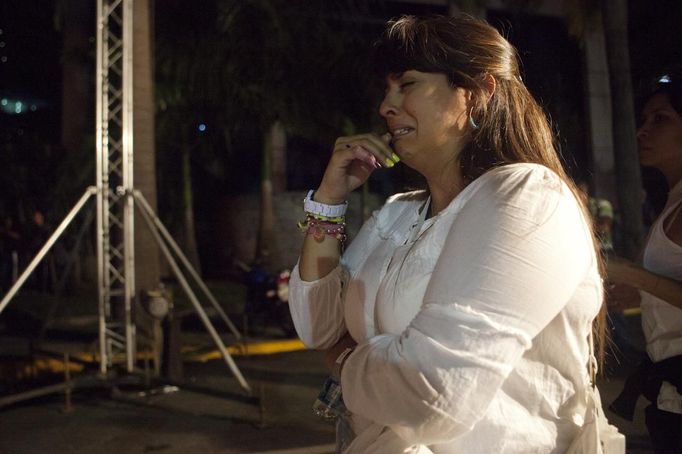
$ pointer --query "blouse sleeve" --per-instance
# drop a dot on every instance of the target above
(512, 259)
(317, 306)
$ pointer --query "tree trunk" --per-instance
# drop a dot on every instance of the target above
(189, 232)
(598, 104)
(278, 139)
(77, 88)
(614, 16)
(267, 251)
(147, 266)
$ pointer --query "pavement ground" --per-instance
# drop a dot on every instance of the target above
(208, 413)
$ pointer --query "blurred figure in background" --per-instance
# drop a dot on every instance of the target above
(9, 253)
(35, 235)
(601, 211)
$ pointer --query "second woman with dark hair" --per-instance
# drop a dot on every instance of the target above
(659, 277)
(457, 320)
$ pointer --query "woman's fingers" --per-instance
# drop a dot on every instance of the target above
(352, 162)
(378, 146)
(383, 142)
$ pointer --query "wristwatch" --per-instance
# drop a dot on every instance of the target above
(338, 364)
(331, 211)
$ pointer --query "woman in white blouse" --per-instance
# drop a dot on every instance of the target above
(659, 277)
(458, 318)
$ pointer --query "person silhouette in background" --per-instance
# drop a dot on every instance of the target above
(602, 213)
(10, 240)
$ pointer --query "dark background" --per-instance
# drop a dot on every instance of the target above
(323, 77)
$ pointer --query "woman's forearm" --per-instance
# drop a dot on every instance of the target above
(669, 290)
(318, 257)
(665, 288)
(352, 162)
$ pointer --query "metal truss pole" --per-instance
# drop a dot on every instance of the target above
(116, 198)
(154, 223)
(115, 214)
(166, 236)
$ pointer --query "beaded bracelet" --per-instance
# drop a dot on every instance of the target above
(316, 219)
(321, 217)
(318, 229)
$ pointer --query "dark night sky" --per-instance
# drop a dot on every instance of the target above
(30, 49)
(31, 45)
(30, 55)
(30, 69)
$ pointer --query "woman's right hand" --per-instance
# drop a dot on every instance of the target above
(353, 160)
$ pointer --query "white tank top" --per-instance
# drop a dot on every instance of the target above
(662, 322)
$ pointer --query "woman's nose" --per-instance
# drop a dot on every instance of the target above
(388, 106)
(642, 132)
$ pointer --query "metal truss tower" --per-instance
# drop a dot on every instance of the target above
(115, 205)
(117, 199)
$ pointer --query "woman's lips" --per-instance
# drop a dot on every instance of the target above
(401, 131)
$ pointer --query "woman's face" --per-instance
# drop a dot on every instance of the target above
(427, 118)
(660, 135)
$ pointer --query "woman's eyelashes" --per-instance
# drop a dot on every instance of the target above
(406, 84)
(654, 118)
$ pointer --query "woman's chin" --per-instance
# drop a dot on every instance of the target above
(645, 159)
(400, 150)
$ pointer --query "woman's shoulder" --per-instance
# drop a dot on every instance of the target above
(522, 175)
(531, 188)
(523, 179)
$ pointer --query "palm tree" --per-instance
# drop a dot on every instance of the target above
(147, 269)
(75, 18)
(614, 15)
(302, 53)
(265, 67)
(609, 19)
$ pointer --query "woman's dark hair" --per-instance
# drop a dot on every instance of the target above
(671, 86)
(512, 128)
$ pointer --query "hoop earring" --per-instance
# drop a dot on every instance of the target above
(472, 123)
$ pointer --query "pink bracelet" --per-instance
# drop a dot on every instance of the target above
(318, 229)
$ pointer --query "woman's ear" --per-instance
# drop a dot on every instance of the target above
(489, 83)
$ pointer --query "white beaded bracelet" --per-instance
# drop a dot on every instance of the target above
(322, 209)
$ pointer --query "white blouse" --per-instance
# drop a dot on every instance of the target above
(473, 337)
